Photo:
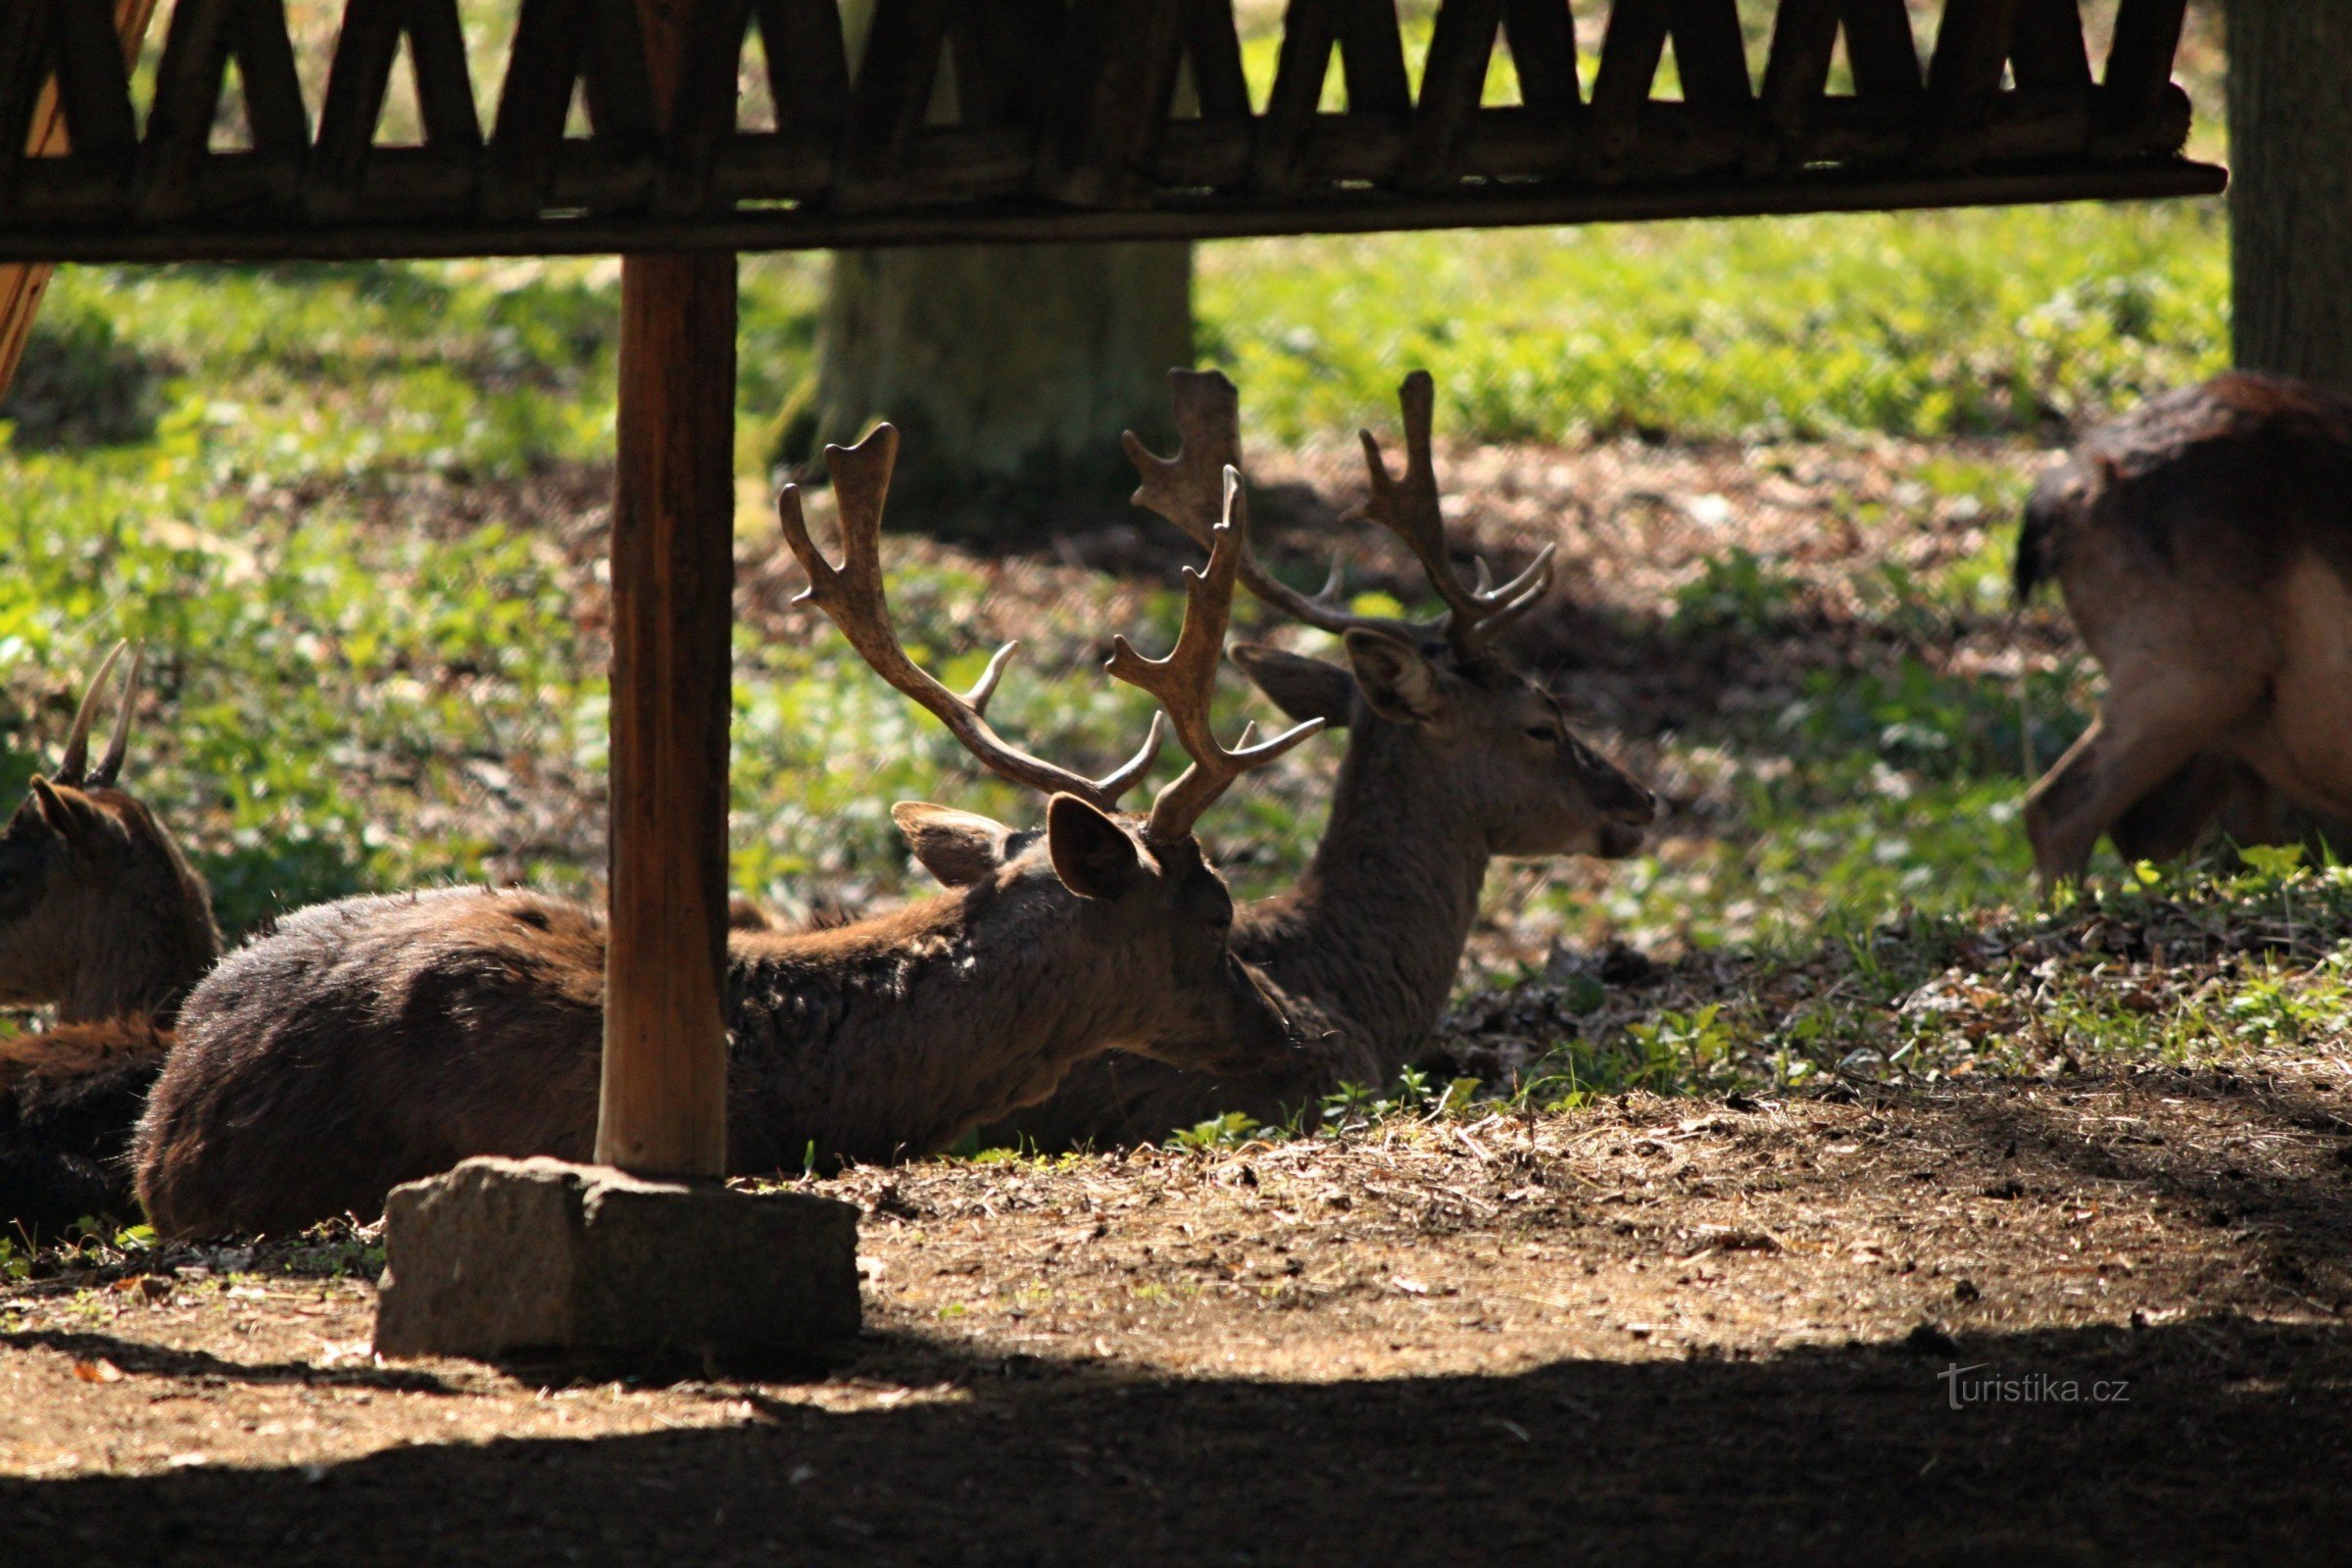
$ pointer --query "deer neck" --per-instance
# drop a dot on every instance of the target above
(893, 1036)
(1374, 929)
(136, 965)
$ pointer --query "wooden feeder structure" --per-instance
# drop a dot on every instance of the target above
(1095, 120)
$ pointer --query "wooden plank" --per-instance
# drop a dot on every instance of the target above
(1119, 65)
(98, 116)
(1972, 45)
(2046, 48)
(664, 1104)
(1882, 50)
(1372, 58)
(892, 95)
(1310, 28)
(1461, 50)
(999, 47)
(1796, 71)
(808, 64)
(2139, 64)
(1213, 48)
(1543, 40)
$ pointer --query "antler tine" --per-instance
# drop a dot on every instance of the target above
(1189, 490)
(110, 765)
(853, 596)
(1409, 508)
(1184, 680)
(72, 766)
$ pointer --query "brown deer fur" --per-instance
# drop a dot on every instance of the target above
(1477, 764)
(2203, 545)
(1453, 758)
(372, 1040)
(102, 917)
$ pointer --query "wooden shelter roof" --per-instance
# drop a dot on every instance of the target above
(1061, 123)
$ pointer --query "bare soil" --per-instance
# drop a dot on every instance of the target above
(1652, 1331)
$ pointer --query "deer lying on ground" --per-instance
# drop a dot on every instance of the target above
(2203, 545)
(1453, 757)
(377, 1039)
(102, 917)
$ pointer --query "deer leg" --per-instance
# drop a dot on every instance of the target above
(2146, 733)
(2166, 823)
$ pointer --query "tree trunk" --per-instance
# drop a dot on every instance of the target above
(2290, 187)
(1011, 370)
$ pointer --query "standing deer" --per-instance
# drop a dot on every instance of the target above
(2203, 545)
(1453, 757)
(102, 917)
(377, 1039)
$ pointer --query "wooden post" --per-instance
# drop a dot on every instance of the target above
(664, 1091)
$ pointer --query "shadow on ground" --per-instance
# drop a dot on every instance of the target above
(2221, 1440)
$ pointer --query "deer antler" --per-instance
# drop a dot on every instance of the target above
(71, 765)
(1184, 680)
(1408, 508)
(1185, 490)
(1189, 490)
(853, 596)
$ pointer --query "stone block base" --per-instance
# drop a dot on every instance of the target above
(503, 1257)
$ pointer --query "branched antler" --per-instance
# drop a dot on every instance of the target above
(71, 765)
(1185, 490)
(1189, 490)
(1408, 508)
(853, 596)
(1184, 680)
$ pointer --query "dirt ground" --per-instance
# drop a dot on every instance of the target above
(1650, 1331)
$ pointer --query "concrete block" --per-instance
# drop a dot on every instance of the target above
(504, 1257)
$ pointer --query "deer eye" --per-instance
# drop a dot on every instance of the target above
(1542, 732)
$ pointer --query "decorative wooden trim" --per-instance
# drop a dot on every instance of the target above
(1066, 120)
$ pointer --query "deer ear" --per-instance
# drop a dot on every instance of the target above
(1400, 685)
(1094, 857)
(1303, 688)
(54, 812)
(959, 848)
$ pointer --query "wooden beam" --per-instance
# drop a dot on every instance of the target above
(1206, 217)
(664, 1109)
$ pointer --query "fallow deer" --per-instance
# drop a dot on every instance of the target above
(2203, 546)
(1453, 758)
(101, 917)
(376, 1040)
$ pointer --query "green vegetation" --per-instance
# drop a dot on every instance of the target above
(352, 511)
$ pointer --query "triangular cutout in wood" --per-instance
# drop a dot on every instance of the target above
(376, 34)
(1710, 57)
(562, 49)
(1881, 56)
(232, 128)
(73, 43)
(1986, 45)
(1371, 55)
(206, 37)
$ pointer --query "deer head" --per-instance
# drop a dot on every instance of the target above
(99, 912)
(1488, 741)
(1145, 897)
